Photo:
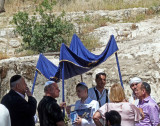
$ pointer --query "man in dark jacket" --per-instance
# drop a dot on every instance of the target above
(21, 111)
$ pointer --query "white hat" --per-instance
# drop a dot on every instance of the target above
(48, 83)
(135, 80)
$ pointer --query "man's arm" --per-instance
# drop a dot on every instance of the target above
(61, 123)
(154, 115)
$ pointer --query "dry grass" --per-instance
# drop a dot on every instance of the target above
(3, 56)
(12, 6)
(20, 52)
(150, 13)
(82, 5)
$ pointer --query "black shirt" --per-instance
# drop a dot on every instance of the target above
(49, 112)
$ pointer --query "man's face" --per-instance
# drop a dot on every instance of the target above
(22, 86)
(101, 81)
(139, 91)
(81, 92)
(133, 87)
(54, 90)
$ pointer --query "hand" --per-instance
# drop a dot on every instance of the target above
(142, 113)
(78, 121)
(68, 109)
(62, 105)
(125, 100)
(28, 92)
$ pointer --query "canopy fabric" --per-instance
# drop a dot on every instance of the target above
(46, 67)
(80, 50)
(77, 59)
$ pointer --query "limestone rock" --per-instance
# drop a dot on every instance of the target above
(14, 43)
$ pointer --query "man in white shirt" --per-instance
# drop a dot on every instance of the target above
(85, 106)
(133, 85)
(4, 116)
(98, 92)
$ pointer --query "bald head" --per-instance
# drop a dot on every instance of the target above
(48, 85)
(52, 90)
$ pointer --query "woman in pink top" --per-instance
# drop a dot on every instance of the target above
(129, 112)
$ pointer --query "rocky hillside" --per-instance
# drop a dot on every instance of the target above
(138, 54)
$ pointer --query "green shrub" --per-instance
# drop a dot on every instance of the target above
(44, 31)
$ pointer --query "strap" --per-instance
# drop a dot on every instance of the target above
(96, 92)
(106, 96)
(98, 99)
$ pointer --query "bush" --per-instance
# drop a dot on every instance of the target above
(44, 31)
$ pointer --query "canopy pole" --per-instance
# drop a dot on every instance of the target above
(81, 78)
(63, 98)
(35, 77)
(119, 71)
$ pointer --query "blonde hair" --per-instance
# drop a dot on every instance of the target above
(116, 93)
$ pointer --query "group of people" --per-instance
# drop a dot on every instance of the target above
(96, 106)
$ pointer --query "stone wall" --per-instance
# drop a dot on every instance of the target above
(130, 66)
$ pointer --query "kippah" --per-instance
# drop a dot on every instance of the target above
(84, 84)
(135, 80)
(15, 78)
(48, 83)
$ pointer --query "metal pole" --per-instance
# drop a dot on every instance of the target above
(119, 71)
(63, 98)
(35, 77)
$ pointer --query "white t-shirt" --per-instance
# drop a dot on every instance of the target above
(134, 100)
(88, 103)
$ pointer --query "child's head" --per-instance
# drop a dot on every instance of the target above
(113, 118)
(82, 90)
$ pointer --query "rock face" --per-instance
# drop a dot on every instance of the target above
(9, 41)
(138, 54)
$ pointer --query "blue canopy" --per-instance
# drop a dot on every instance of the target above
(75, 60)
(78, 60)
(46, 67)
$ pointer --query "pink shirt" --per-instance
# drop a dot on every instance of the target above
(151, 112)
(129, 112)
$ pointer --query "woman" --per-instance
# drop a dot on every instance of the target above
(129, 112)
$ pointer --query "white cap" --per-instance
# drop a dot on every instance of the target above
(48, 83)
(135, 80)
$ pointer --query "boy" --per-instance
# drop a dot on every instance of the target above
(85, 107)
